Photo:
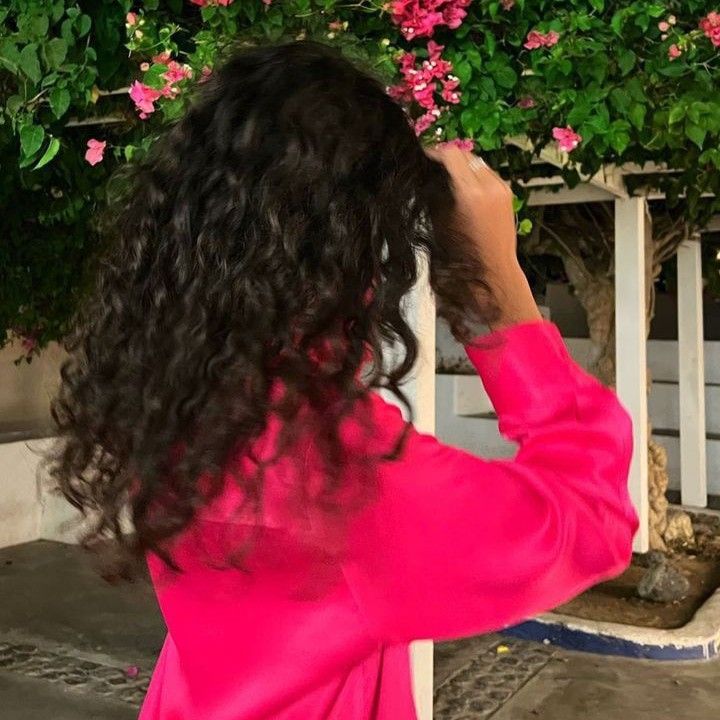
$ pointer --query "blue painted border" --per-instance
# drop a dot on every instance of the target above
(573, 639)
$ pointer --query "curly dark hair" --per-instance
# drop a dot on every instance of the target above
(268, 241)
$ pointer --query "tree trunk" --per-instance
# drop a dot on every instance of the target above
(597, 297)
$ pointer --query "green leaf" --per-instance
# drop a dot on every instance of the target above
(674, 69)
(617, 22)
(50, 152)
(626, 61)
(463, 70)
(55, 52)
(637, 115)
(677, 113)
(655, 10)
(695, 133)
(29, 63)
(635, 89)
(620, 100)
(66, 30)
(525, 227)
(59, 101)
(83, 24)
(9, 54)
(154, 76)
(619, 141)
(599, 123)
(13, 104)
(473, 55)
(58, 10)
(599, 5)
(580, 112)
(39, 26)
(643, 21)
(31, 138)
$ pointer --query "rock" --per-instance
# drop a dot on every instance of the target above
(654, 558)
(663, 583)
(679, 530)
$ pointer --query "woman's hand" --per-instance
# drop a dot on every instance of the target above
(485, 215)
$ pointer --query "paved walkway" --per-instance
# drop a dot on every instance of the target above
(67, 640)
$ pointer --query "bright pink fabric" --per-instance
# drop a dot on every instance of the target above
(316, 626)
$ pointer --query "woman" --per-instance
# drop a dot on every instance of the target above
(223, 381)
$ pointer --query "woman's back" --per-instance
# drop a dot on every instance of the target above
(317, 623)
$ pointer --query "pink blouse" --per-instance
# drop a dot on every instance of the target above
(316, 622)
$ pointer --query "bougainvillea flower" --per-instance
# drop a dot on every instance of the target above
(567, 138)
(144, 97)
(96, 150)
(525, 103)
(462, 144)
(162, 58)
(537, 39)
(710, 25)
(177, 72)
(674, 52)
(419, 18)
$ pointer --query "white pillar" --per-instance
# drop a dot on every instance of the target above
(420, 391)
(693, 464)
(631, 345)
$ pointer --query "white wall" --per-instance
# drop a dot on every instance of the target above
(461, 401)
(20, 509)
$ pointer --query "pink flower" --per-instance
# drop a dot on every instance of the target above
(336, 26)
(425, 82)
(206, 3)
(419, 18)
(144, 97)
(424, 123)
(434, 50)
(448, 91)
(132, 671)
(674, 52)
(205, 74)
(131, 18)
(29, 344)
(145, 66)
(552, 38)
(507, 4)
(525, 103)
(663, 26)
(537, 40)
(567, 138)
(710, 25)
(162, 58)
(94, 153)
(459, 143)
(177, 72)
(268, 2)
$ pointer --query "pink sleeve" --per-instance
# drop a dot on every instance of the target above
(457, 545)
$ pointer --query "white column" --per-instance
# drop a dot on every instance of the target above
(693, 464)
(631, 345)
(420, 391)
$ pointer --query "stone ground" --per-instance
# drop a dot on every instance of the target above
(67, 638)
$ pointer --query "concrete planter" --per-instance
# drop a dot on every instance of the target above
(698, 640)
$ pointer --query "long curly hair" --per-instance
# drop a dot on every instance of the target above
(268, 240)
